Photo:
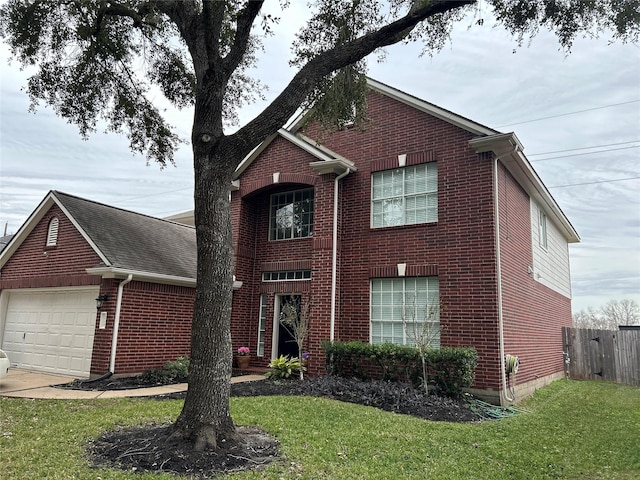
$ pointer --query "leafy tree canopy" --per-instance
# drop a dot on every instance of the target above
(101, 59)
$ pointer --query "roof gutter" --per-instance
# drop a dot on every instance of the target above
(116, 323)
(116, 272)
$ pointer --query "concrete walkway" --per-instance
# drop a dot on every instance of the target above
(29, 384)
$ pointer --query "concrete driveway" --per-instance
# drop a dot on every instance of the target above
(29, 384)
(19, 381)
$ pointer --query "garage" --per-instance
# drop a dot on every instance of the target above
(51, 329)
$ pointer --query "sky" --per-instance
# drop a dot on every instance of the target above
(577, 115)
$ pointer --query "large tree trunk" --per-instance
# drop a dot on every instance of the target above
(205, 418)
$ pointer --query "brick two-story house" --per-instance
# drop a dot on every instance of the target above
(422, 208)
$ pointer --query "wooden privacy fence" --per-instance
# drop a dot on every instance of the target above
(610, 355)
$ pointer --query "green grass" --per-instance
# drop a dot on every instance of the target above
(575, 430)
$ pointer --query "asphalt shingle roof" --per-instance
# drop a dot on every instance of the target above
(134, 241)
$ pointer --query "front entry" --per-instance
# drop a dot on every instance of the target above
(284, 343)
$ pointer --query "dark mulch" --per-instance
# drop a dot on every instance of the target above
(147, 448)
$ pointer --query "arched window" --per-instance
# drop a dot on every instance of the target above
(52, 234)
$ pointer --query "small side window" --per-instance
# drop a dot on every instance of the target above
(542, 229)
(52, 233)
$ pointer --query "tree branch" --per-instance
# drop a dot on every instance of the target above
(303, 83)
(213, 19)
(246, 17)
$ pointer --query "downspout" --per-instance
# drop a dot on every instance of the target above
(499, 269)
(116, 323)
(334, 253)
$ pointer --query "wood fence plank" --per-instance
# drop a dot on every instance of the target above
(610, 355)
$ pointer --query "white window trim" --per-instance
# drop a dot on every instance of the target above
(405, 337)
(543, 237)
(262, 322)
(403, 197)
(271, 230)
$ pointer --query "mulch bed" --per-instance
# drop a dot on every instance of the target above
(147, 448)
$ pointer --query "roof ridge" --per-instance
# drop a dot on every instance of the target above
(58, 193)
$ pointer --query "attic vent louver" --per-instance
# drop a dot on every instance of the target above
(52, 234)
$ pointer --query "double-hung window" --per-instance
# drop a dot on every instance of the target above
(405, 311)
(291, 215)
(404, 196)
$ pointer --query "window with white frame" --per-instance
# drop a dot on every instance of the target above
(286, 275)
(542, 228)
(404, 196)
(262, 325)
(291, 215)
(405, 310)
(52, 232)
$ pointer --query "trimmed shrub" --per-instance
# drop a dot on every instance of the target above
(174, 371)
(450, 369)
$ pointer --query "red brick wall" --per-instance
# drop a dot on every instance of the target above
(155, 319)
(63, 265)
(459, 248)
(533, 313)
(255, 253)
(155, 326)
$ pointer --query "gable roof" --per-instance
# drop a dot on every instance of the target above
(323, 154)
(127, 242)
(487, 139)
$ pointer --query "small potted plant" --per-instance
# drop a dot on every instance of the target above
(243, 358)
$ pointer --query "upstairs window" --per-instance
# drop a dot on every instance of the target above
(52, 233)
(542, 228)
(291, 215)
(404, 196)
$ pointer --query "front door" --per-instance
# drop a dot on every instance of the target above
(283, 339)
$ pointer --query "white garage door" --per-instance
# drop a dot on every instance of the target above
(51, 330)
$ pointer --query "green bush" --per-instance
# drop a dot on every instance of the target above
(450, 369)
(173, 371)
(284, 367)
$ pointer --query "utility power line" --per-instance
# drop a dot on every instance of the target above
(583, 148)
(595, 182)
(569, 113)
(584, 153)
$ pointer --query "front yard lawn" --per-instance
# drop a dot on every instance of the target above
(574, 430)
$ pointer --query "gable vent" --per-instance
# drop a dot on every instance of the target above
(52, 234)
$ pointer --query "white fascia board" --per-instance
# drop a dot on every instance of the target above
(306, 146)
(336, 165)
(508, 148)
(87, 238)
(431, 109)
(248, 160)
(114, 272)
(26, 228)
(49, 200)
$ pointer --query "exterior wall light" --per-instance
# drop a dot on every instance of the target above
(100, 300)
